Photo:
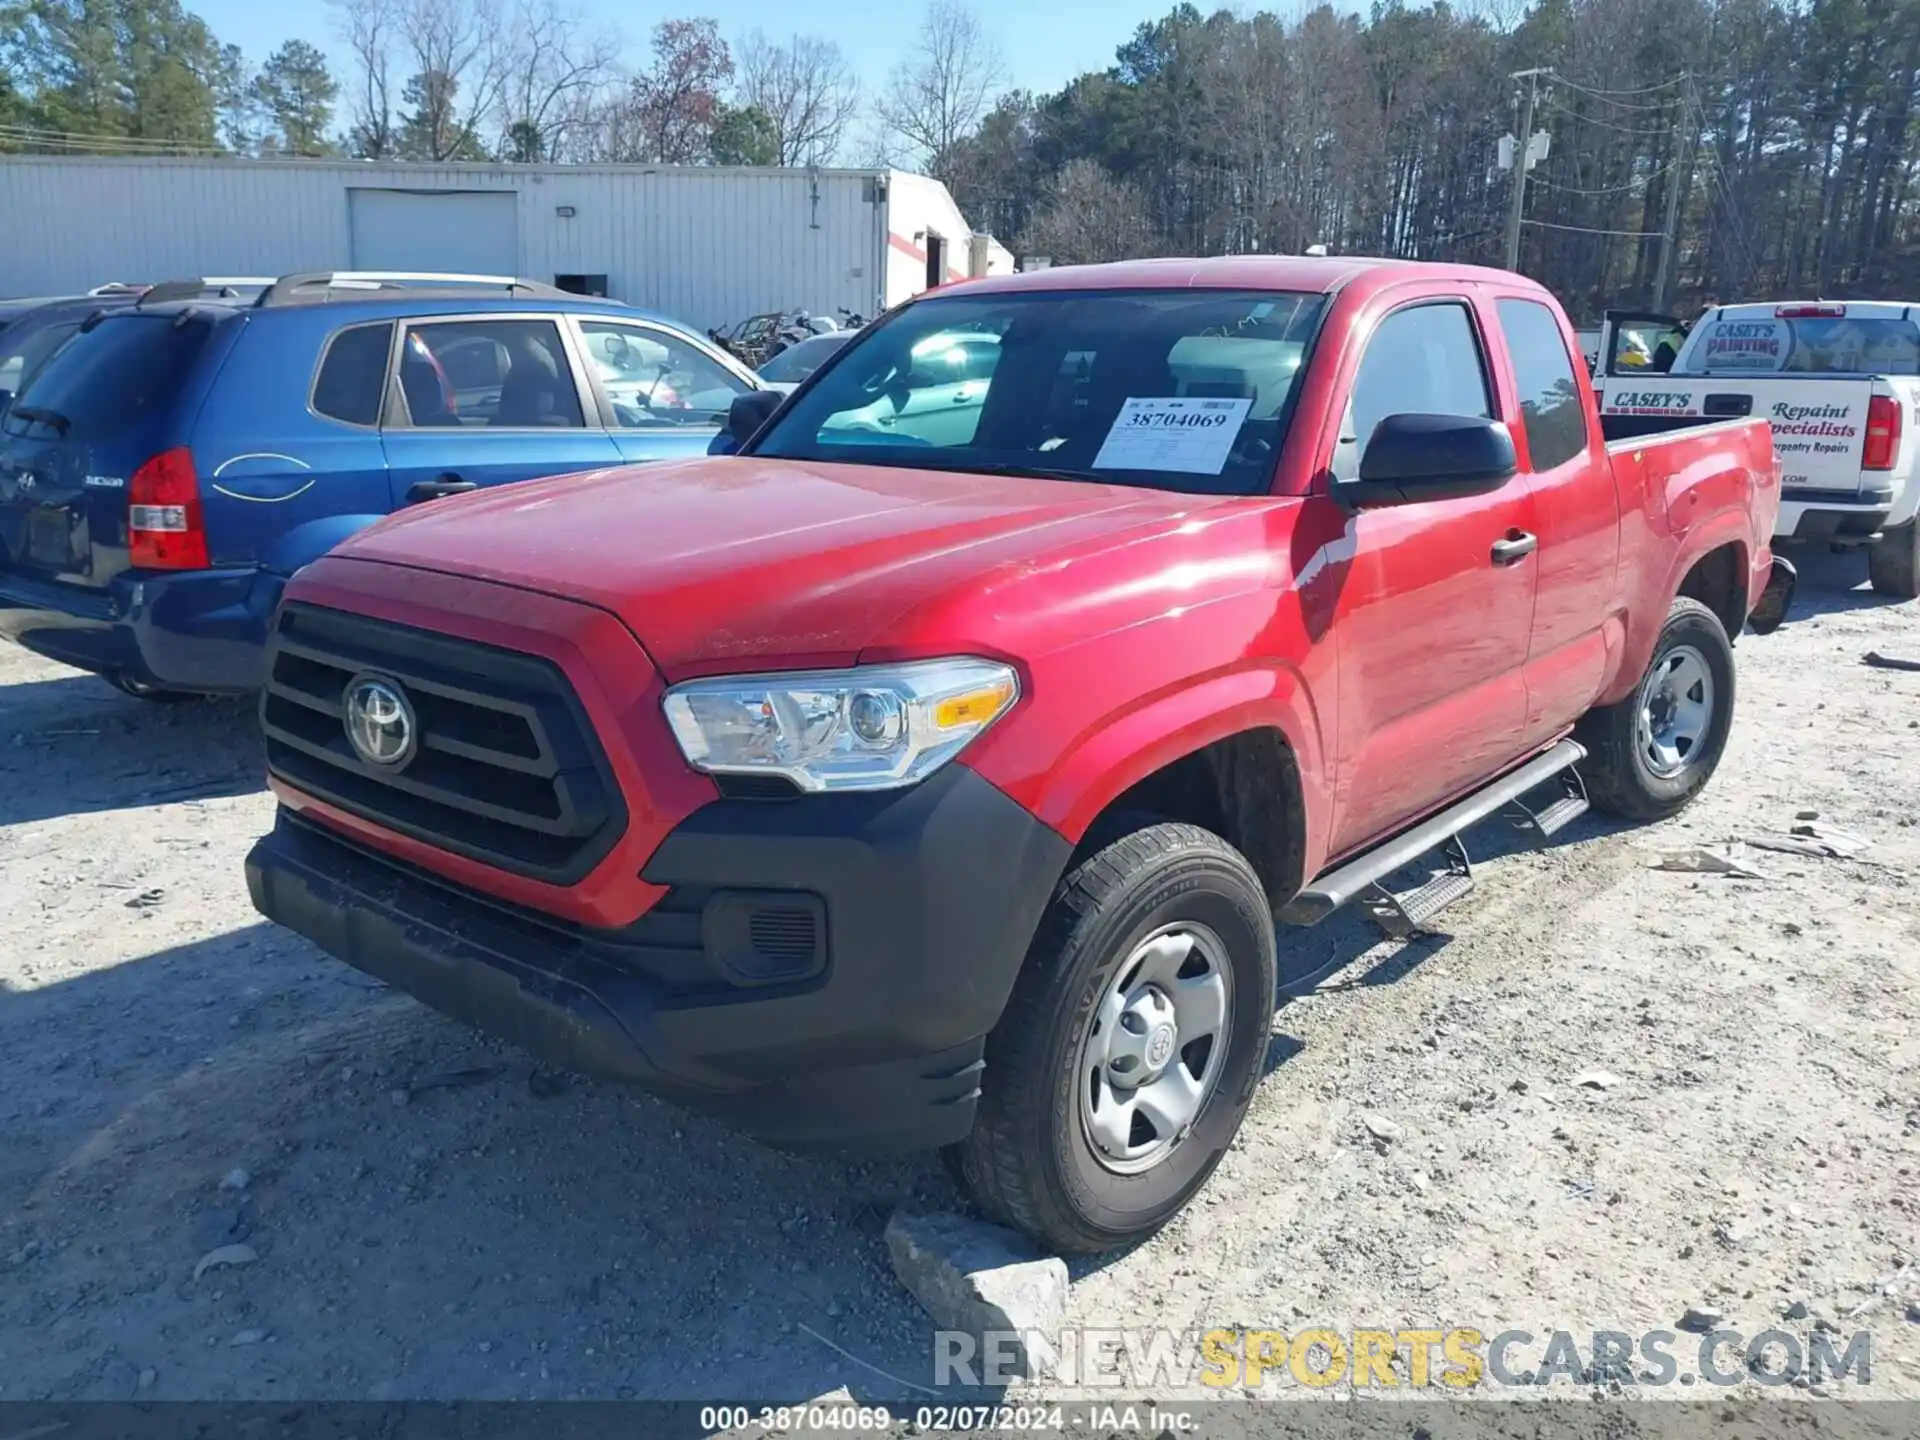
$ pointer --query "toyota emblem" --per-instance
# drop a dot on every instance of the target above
(379, 721)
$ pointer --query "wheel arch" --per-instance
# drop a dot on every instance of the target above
(1711, 566)
(1239, 754)
(1719, 578)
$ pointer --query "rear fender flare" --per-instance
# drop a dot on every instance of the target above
(1113, 756)
(1645, 621)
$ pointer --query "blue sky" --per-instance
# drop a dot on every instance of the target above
(1046, 42)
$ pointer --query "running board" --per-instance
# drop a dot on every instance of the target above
(1361, 876)
(1405, 915)
(1554, 817)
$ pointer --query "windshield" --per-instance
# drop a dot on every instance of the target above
(1187, 390)
(795, 363)
(1807, 345)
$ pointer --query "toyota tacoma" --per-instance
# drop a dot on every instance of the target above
(938, 768)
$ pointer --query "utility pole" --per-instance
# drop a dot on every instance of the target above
(1522, 159)
(1686, 141)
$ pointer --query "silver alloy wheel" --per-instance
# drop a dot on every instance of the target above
(1675, 711)
(1154, 1047)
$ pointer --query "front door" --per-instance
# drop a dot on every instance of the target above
(1436, 605)
(488, 400)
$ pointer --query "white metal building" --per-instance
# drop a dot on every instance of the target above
(703, 244)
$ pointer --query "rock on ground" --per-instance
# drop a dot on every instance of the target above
(982, 1279)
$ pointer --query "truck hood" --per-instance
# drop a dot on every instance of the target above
(716, 561)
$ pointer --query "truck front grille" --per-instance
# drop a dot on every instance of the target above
(503, 767)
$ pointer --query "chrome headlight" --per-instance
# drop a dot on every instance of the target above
(874, 727)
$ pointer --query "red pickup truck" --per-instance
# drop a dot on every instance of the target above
(935, 770)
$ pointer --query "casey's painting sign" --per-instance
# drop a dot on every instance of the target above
(1747, 345)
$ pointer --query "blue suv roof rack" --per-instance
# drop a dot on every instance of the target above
(207, 287)
(321, 286)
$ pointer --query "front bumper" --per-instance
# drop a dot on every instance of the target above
(200, 630)
(926, 900)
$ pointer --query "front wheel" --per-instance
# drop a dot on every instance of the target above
(1650, 754)
(1893, 562)
(1131, 1047)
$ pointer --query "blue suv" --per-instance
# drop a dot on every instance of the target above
(174, 461)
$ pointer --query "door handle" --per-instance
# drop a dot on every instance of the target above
(448, 484)
(1514, 547)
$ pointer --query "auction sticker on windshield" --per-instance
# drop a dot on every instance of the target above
(1193, 437)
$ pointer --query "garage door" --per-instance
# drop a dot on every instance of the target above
(474, 232)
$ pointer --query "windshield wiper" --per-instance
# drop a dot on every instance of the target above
(35, 415)
(1027, 472)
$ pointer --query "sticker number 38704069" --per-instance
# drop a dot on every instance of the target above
(1193, 437)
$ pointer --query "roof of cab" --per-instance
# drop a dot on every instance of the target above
(1322, 274)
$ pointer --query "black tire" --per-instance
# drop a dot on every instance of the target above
(1029, 1160)
(1893, 562)
(1620, 771)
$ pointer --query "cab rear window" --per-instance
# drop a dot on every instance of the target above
(1806, 345)
(110, 379)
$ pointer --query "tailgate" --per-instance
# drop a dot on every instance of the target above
(1819, 426)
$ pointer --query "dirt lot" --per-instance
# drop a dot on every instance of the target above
(432, 1219)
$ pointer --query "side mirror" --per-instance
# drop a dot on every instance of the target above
(745, 418)
(1414, 458)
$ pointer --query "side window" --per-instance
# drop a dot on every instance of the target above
(353, 376)
(509, 374)
(1424, 360)
(654, 378)
(1556, 421)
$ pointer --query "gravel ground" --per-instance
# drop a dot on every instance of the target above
(429, 1217)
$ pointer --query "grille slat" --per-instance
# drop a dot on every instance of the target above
(507, 769)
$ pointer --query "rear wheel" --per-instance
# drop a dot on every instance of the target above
(1129, 1052)
(1650, 754)
(1893, 562)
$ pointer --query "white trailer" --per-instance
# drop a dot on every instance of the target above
(704, 244)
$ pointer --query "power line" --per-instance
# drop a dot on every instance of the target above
(102, 144)
(1590, 230)
(1642, 90)
(1729, 205)
(1628, 188)
(1607, 97)
(1573, 114)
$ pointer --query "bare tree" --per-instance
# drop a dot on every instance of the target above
(371, 30)
(806, 89)
(937, 97)
(668, 113)
(458, 58)
(555, 67)
(1088, 216)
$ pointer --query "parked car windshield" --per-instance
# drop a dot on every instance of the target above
(1187, 390)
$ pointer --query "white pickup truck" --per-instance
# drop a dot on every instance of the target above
(1840, 384)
